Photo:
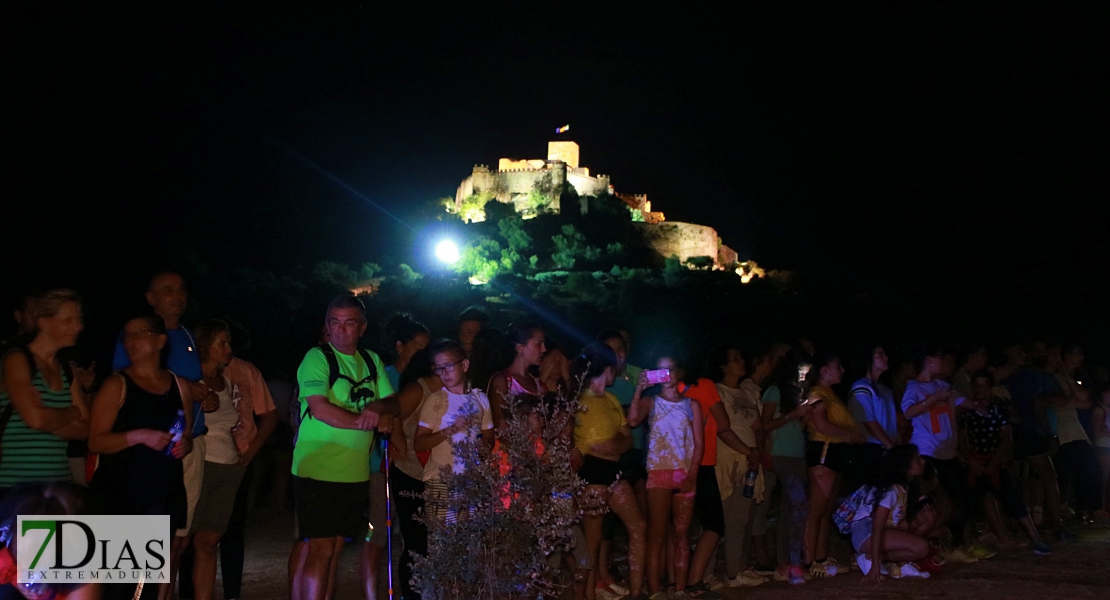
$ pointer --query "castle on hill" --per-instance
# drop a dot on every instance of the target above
(518, 182)
(530, 183)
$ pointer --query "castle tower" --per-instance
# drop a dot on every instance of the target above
(564, 151)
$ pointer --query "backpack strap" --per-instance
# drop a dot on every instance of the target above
(333, 364)
(369, 364)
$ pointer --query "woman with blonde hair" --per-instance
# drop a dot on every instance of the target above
(40, 407)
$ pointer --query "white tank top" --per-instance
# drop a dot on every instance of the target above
(671, 438)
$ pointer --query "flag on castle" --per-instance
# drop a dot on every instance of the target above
(563, 129)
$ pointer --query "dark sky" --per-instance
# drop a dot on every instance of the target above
(899, 143)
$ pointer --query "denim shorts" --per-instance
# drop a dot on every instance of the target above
(861, 530)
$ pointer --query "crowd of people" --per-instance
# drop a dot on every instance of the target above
(935, 457)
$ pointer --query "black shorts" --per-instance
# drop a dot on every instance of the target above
(326, 509)
(632, 466)
(839, 457)
(1028, 444)
(598, 471)
(707, 501)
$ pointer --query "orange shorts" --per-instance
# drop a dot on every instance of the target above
(668, 479)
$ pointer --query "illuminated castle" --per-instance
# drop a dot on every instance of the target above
(527, 184)
(520, 181)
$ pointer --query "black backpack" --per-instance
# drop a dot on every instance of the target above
(335, 375)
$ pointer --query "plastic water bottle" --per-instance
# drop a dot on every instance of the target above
(749, 483)
(176, 430)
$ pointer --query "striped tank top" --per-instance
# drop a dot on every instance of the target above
(30, 455)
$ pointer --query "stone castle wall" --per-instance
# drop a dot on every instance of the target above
(685, 240)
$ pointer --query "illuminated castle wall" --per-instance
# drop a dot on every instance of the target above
(514, 179)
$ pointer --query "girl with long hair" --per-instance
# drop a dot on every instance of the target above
(601, 435)
(829, 454)
(527, 342)
(880, 528)
(675, 446)
(782, 420)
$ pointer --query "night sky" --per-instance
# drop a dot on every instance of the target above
(890, 145)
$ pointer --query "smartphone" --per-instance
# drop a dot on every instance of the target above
(655, 376)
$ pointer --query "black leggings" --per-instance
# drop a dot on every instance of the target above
(953, 479)
(1078, 459)
(407, 497)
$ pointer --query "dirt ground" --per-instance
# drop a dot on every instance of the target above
(1077, 570)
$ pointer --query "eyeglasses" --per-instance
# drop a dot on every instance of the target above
(447, 368)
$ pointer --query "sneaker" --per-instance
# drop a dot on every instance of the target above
(604, 593)
(680, 595)
(980, 552)
(782, 574)
(764, 570)
(746, 579)
(701, 591)
(893, 568)
(613, 587)
(713, 582)
(932, 564)
(961, 556)
(1067, 536)
(831, 563)
(1041, 549)
(864, 563)
(909, 570)
(795, 575)
(822, 569)
(660, 595)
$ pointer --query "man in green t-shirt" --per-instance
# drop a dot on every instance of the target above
(331, 465)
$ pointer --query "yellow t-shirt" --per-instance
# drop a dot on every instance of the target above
(599, 419)
(835, 412)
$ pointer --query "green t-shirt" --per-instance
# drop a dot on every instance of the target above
(624, 388)
(327, 453)
(788, 440)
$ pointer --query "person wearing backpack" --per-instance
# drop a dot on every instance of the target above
(40, 408)
(344, 390)
(877, 520)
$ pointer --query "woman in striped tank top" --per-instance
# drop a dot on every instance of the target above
(43, 410)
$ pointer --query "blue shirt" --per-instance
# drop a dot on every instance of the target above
(1024, 387)
(874, 402)
(181, 358)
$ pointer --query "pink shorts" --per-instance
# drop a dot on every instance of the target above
(668, 479)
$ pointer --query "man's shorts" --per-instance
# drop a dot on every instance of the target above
(1028, 444)
(327, 509)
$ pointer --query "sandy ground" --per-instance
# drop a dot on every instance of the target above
(1076, 570)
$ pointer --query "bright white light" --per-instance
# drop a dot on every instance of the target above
(447, 252)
